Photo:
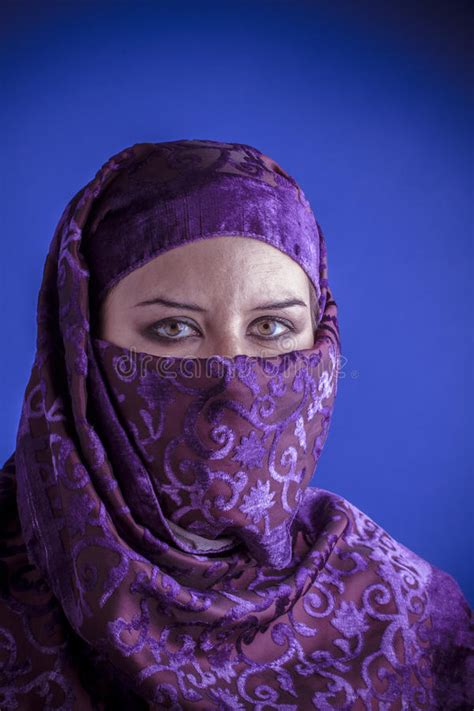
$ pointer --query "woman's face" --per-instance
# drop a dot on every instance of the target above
(217, 296)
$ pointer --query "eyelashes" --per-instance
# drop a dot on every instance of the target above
(158, 329)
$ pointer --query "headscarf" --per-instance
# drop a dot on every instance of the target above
(161, 546)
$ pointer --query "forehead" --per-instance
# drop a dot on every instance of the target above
(222, 265)
(223, 253)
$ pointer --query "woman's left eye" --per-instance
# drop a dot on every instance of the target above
(267, 329)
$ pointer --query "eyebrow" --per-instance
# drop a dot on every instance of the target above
(285, 304)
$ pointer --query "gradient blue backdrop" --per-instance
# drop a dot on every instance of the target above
(367, 105)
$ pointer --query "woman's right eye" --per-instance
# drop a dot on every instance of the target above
(172, 330)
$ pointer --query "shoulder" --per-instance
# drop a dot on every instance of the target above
(396, 589)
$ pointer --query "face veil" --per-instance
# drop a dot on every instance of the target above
(162, 545)
(229, 445)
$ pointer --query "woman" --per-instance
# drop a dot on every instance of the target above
(161, 545)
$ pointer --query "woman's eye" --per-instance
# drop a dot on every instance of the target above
(173, 330)
(266, 328)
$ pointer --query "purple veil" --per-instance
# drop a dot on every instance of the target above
(161, 546)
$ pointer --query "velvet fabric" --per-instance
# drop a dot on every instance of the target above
(182, 191)
(161, 547)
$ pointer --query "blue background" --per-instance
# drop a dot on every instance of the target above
(368, 106)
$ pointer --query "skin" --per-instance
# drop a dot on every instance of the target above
(229, 279)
